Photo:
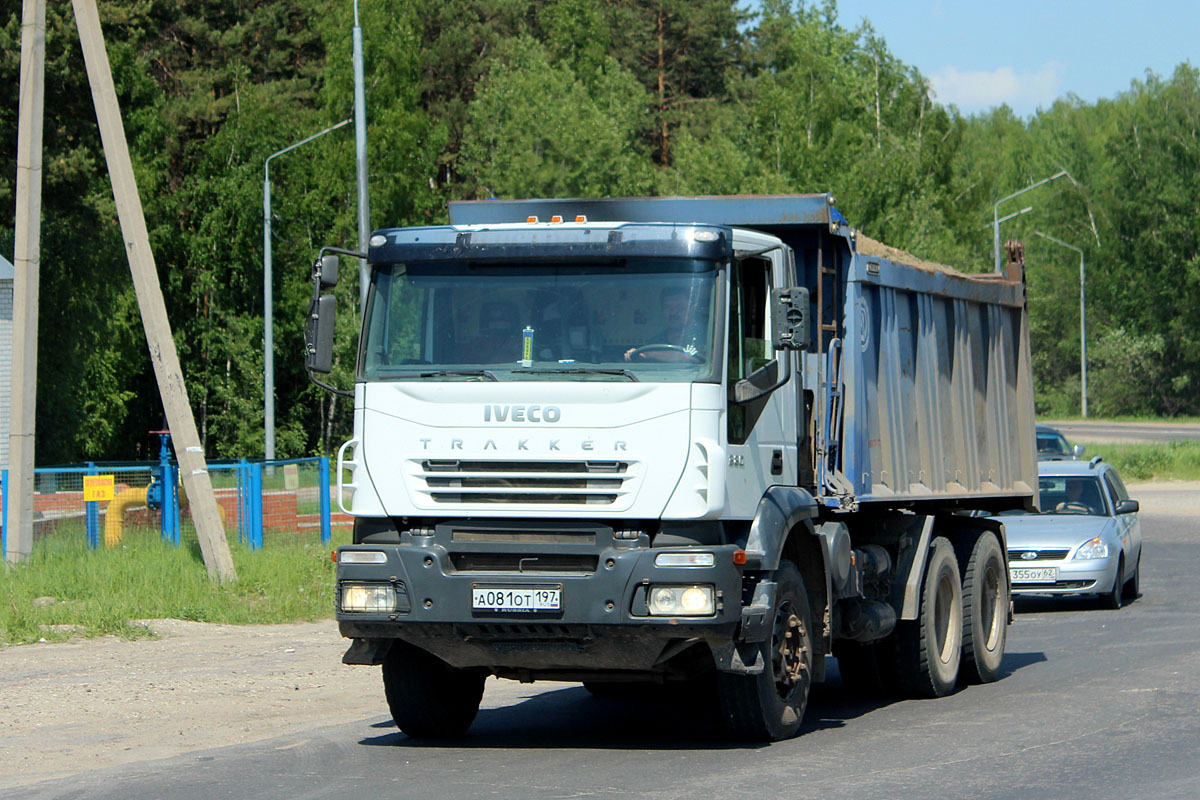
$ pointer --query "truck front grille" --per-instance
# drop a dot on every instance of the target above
(525, 482)
(525, 564)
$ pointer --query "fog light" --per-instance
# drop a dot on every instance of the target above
(682, 601)
(378, 598)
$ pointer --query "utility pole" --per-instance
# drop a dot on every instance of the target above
(192, 466)
(18, 538)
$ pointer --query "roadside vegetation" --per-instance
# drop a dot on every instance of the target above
(469, 99)
(1179, 461)
(66, 591)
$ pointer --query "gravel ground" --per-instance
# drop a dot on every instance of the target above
(68, 708)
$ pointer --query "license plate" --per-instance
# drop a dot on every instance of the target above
(516, 599)
(1033, 575)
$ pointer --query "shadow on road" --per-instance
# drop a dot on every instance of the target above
(570, 718)
(662, 719)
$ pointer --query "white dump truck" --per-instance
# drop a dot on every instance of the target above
(708, 441)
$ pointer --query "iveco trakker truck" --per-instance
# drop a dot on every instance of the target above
(709, 441)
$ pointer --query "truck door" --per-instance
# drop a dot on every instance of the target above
(762, 432)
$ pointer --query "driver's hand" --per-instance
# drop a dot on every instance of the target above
(629, 353)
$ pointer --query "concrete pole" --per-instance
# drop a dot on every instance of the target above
(360, 150)
(26, 258)
(192, 466)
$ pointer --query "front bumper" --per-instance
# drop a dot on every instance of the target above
(603, 623)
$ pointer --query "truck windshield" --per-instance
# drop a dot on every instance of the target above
(646, 320)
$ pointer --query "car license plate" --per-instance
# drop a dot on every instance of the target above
(516, 599)
(1033, 575)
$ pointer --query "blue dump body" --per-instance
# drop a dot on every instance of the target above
(920, 376)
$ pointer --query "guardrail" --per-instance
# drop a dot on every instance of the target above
(264, 501)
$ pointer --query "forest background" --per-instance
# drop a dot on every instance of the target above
(541, 98)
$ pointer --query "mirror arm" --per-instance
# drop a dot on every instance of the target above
(343, 392)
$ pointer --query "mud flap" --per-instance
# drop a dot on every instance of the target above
(743, 655)
(368, 652)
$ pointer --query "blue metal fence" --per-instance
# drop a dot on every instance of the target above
(294, 500)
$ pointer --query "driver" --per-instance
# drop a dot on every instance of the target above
(1075, 498)
(681, 331)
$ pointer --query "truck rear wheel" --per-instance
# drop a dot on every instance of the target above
(985, 611)
(770, 706)
(929, 648)
(428, 698)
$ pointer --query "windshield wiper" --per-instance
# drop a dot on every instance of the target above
(484, 373)
(579, 371)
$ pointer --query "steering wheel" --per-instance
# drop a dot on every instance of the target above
(648, 349)
(1074, 505)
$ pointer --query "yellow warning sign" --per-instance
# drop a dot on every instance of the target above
(98, 487)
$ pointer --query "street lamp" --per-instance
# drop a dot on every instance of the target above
(996, 210)
(268, 320)
(1082, 318)
(360, 158)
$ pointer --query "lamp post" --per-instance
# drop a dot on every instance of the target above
(268, 319)
(1082, 318)
(360, 155)
(996, 210)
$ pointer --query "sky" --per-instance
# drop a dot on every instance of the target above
(1028, 53)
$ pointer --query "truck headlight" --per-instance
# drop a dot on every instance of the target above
(1092, 548)
(682, 601)
(378, 598)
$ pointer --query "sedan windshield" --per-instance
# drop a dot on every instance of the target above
(631, 320)
(1072, 495)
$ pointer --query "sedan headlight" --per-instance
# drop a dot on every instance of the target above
(1092, 548)
(682, 601)
(377, 598)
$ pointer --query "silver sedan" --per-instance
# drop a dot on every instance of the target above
(1087, 540)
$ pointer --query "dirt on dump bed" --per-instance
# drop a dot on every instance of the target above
(68, 708)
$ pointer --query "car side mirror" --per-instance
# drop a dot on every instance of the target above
(1128, 507)
(1078, 450)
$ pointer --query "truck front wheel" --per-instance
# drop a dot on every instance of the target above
(428, 698)
(770, 706)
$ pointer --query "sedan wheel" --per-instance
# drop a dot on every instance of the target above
(1112, 599)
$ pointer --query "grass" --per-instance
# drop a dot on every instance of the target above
(100, 592)
(1159, 461)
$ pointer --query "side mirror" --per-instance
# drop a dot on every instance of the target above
(762, 381)
(327, 271)
(1128, 507)
(789, 319)
(318, 333)
(1078, 450)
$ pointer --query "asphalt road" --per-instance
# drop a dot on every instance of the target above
(1085, 431)
(1094, 704)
